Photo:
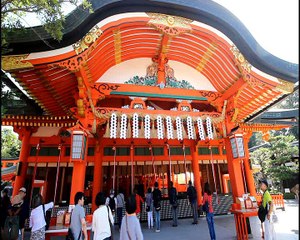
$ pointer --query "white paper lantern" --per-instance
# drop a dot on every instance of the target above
(135, 126)
(113, 126)
(190, 127)
(160, 130)
(169, 127)
(147, 127)
(209, 128)
(123, 129)
(179, 128)
(200, 129)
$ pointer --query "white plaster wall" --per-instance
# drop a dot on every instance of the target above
(137, 67)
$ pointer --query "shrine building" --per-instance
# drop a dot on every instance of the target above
(142, 91)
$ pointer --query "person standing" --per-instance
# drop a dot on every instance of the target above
(207, 197)
(102, 219)
(139, 200)
(149, 208)
(269, 232)
(4, 206)
(192, 195)
(111, 201)
(120, 206)
(78, 223)
(131, 227)
(157, 205)
(174, 203)
(37, 221)
(20, 207)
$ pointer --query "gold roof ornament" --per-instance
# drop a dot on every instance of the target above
(170, 25)
(14, 62)
(285, 86)
(87, 40)
(241, 62)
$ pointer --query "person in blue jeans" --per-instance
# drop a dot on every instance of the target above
(210, 214)
(157, 206)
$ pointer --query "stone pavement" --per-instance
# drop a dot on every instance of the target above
(286, 229)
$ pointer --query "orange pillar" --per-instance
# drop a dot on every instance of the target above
(235, 172)
(24, 136)
(248, 172)
(196, 172)
(98, 177)
(78, 178)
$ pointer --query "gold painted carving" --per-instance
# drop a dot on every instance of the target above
(240, 60)
(207, 55)
(14, 62)
(118, 47)
(152, 70)
(285, 86)
(87, 40)
(170, 25)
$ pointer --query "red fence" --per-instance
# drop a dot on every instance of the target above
(277, 200)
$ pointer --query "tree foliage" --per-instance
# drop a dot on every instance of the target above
(49, 12)
(10, 144)
(276, 161)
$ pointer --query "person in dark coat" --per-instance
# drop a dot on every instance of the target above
(174, 203)
(192, 195)
(4, 206)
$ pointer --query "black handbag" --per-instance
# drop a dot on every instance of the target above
(205, 207)
(262, 213)
(147, 208)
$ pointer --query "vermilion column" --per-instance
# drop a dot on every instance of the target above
(235, 172)
(98, 177)
(24, 136)
(196, 171)
(248, 172)
(78, 178)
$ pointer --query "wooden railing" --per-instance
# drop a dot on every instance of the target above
(9, 163)
(277, 200)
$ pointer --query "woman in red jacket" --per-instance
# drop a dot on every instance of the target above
(210, 213)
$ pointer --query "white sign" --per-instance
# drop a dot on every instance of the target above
(287, 190)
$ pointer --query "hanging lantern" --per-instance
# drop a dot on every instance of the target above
(237, 146)
(209, 128)
(200, 129)
(135, 126)
(160, 133)
(179, 128)
(147, 127)
(123, 129)
(169, 127)
(190, 127)
(113, 126)
(79, 138)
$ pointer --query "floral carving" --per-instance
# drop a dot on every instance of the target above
(213, 95)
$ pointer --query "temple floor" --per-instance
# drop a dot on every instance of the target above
(286, 228)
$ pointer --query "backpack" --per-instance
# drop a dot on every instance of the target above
(112, 204)
(11, 228)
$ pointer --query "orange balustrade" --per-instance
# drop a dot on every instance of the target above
(5, 163)
(277, 200)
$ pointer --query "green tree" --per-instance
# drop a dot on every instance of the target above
(10, 144)
(276, 161)
(49, 12)
(255, 140)
(282, 154)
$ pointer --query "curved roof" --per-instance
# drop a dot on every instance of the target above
(204, 11)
